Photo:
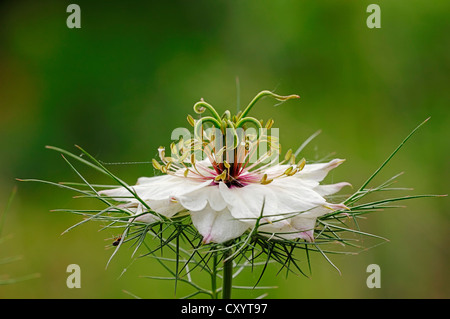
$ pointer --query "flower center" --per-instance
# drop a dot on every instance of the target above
(236, 150)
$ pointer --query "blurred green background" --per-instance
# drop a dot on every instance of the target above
(120, 84)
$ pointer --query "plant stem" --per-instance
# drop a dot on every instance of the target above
(214, 277)
(227, 274)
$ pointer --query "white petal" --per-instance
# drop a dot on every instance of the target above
(305, 222)
(276, 170)
(294, 196)
(139, 209)
(148, 218)
(281, 197)
(317, 172)
(246, 202)
(198, 199)
(330, 189)
(166, 207)
(217, 226)
(301, 225)
(160, 192)
(321, 210)
(285, 229)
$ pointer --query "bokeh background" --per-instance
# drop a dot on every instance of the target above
(120, 84)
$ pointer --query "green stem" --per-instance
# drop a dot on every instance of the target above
(199, 125)
(262, 94)
(227, 274)
(214, 277)
(201, 106)
(384, 163)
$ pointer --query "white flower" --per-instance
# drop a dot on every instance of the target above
(225, 198)
(221, 212)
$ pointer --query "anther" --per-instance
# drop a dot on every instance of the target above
(288, 155)
(265, 181)
(222, 176)
(301, 164)
(156, 165)
(191, 120)
(288, 170)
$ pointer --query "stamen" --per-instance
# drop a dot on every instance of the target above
(156, 165)
(236, 164)
(269, 124)
(222, 176)
(288, 155)
(265, 181)
(301, 164)
(292, 159)
(191, 120)
(288, 171)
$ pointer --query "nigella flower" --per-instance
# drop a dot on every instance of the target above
(228, 177)
(225, 185)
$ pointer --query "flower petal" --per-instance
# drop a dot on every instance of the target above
(246, 202)
(330, 189)
(300, 226)
(217, 226)
(159, 192)
(198, 199)
(281, 197)
(294, 196)
(285, 229)
(139, 210)
(148, 218)
(317, 172)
